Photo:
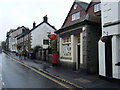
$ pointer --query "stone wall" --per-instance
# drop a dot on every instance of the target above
(93, 36)
(83, 66)
(43, 55)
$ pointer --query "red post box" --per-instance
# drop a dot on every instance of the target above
(54, 57)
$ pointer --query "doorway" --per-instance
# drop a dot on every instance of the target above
(108, 57)
(78, 57)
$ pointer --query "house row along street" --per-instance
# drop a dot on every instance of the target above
(16, 75)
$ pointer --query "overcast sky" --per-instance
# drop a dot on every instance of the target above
(14, 13)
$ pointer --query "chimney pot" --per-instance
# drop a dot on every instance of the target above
(45, 18)
(34, 24)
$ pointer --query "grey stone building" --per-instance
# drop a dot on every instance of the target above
(24, 40)
(78, 38)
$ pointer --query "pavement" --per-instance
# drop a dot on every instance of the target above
(75, 77)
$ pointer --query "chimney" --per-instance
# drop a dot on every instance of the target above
(45, 18)
(34, 24)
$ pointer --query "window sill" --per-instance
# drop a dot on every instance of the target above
(66, 57)
(66, 43)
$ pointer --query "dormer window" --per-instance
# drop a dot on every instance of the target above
(97, 7)
(75, 16)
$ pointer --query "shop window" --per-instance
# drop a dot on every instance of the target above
(66, 40)
(67, 50)
(66, 46)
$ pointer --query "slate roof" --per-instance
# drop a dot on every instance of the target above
(23, 34)
(41, 24)
(87, 19)
(82, 4)
(13, 30)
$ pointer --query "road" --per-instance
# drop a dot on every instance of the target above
(0, 71)
(15, 75)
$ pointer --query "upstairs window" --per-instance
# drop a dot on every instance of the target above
(97, 7)
(46, 42)
(75, 16)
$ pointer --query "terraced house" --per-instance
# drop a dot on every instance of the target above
(78, 37)
(13, 37)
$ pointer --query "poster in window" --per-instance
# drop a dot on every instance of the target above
(67, 50)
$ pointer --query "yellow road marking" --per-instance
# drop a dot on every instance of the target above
(52, 79)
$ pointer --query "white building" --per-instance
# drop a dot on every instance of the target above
(109, 47)
(40, 33)
(12, 42)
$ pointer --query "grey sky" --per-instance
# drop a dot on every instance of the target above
(14, 13)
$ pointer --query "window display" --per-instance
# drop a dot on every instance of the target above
(67, 50)
(67, 46)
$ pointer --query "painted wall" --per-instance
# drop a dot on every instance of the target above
(40, 33)
(110, 17)
(116, 56)
(101, 58)
(110, 14)
(12, 43)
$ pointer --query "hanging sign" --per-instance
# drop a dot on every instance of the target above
(52, 36)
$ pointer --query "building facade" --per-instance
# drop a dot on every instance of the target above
(24, 40)
(78, 38)
(11, 41)
(109, 45)
(39, 33)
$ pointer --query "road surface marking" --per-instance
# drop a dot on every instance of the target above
(50, 78)
(41, 73)
(83, 80)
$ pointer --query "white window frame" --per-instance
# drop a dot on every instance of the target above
(76, 16)
(97, 7)
(66, 45)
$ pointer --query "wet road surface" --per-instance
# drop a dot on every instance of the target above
(14, 75)
(0, 71)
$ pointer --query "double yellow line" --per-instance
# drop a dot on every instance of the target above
(48, 77)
